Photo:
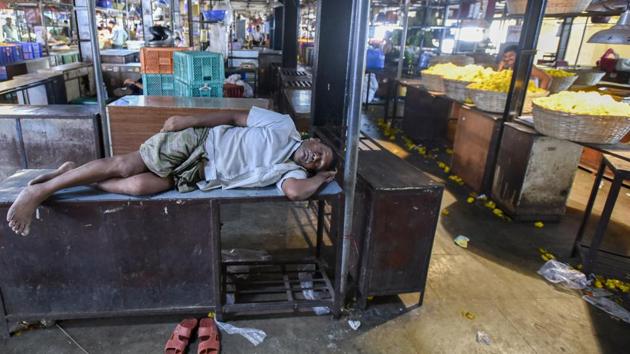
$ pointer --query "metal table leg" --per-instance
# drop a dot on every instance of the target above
(215, 256)
(5, 332)
(336, 230)
(589, 208)
(321, 209)
(602, 224)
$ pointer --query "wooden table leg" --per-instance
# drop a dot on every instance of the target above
(217, 264)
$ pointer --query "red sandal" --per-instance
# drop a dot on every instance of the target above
(208, 333)
(180, 337)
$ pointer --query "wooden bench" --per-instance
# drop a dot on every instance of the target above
(94, 254)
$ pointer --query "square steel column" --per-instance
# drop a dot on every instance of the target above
(330, 70)
(290, 33)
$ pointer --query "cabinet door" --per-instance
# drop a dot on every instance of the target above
(475, 141)
(401, 232)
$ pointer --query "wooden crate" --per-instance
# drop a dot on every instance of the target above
(134, 119)
(157, 60)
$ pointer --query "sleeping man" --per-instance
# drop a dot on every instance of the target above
(218, 150)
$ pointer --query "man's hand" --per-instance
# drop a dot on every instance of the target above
(327, 176)
(177, 123)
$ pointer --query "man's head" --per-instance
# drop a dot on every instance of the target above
(509, 56)
(8, 21)
(315, 156)
(111, 24)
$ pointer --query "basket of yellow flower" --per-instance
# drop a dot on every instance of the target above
(432, 78)
(554, 7)
(456, 89)
(433, 82)
(586, 117)
(490, 95)
(455, 81)
(560, 80)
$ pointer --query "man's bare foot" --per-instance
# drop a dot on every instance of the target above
(21, 212)
(65, 167)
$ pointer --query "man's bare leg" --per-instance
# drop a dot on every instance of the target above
(21, 212)
(65, 167)
(141, 184)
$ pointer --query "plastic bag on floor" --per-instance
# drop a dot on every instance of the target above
(306, 281)
(560, 273)
(253, 335)
(608, 306)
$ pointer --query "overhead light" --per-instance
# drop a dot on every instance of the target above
(617, 34)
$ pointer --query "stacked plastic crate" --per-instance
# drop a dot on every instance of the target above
(31, 50)
(157, 70)
(199, 74)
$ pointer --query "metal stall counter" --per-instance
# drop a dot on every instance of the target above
(134, 119)
(47, 136)
(35, 89)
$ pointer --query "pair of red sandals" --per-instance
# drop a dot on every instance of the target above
(208, 334)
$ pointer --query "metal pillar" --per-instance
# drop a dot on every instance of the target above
(358, 42)
(290, 33)
(403, 38)
(278, 21)
(101, 93)
(147, 19)
(565, 35)
(527, 50)
(330, 67)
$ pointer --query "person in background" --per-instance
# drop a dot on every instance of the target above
(136, 87)
(8, 31)
(119, 36)
(508, 60)
(257, 36)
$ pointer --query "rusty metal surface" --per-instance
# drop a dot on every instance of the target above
(115, 256)
(534, 173)
(11, 153)
(426, 115)
(476, 140)
(46, 136)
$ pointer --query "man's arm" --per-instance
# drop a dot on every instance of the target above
(302, 189)
(542, 76)
(212, 119)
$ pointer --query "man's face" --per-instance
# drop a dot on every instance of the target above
(9, 21)
(313, 155)
(509, 58)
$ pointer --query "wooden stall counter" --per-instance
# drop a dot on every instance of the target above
(134, 119)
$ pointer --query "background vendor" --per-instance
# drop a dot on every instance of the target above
(540, 77)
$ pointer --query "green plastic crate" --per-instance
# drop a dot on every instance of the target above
(198, 67)
(158, 85)
(198, 90)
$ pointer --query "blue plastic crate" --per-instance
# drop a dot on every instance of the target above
(10, 54)
(198, 90)
(31, 50)
(198, 67)
(3, 73)
(214, 15)
(158, 84)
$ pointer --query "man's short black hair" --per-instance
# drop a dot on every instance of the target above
(511, 48)
(113, 22)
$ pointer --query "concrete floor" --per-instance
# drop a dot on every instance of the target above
(494, 279)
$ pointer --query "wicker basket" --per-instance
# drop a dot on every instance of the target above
(554, 7)
(561, 83)
(588, 77)
(433, 82)
(456, 89)
(495, 102)
(580, 128)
